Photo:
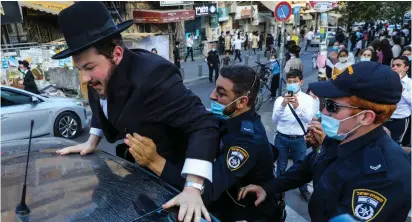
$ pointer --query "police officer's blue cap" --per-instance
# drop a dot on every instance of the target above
(370, 81)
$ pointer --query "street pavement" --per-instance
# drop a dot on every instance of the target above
(296, 208)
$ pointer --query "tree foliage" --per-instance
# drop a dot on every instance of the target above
(358, 11)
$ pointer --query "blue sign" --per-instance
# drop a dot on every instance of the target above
(296, 10)
(4, 63)
(283, 11)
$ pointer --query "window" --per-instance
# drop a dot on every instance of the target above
(9, 98)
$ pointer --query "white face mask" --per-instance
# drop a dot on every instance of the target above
(343, 59)
(363, 59)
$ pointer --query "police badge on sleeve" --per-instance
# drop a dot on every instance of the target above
(367, 204)
(236, 157)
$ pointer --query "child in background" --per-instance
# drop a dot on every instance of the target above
(226, 59)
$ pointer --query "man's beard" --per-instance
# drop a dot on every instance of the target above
(105, 82)
(230, 109)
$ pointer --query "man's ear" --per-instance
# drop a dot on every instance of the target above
(368, 118)
(243, 101)
(118, 54)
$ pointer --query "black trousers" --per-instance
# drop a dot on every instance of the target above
(274, 85)
(407, 137)
(215, 68)
(189, 51)
(237, 55)
(398, 128)
(221, 49)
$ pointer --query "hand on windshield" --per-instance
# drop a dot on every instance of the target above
(143, 149)
(82, 148)
(190, 201)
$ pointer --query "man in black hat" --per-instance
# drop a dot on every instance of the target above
(359, 169)
(139, 92)
(28, 80)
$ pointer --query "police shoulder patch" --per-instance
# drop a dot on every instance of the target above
(367, 204)
(236, 157)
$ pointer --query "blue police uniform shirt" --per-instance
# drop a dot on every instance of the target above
(245, 157)
(369, 178)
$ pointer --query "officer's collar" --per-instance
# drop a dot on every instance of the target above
(358, 143)
(233, 124)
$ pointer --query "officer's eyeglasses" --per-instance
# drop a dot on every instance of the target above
(333, 107)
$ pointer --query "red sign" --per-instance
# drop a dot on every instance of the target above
(322, 6)
(283, 11)
(156, 16)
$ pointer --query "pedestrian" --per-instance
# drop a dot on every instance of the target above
(351, 57)
(222, 43)
(176, 54)
(376, 46)
(309, 37)
(335, 46)
(213, 63)
(289, 133)
(246, 44)
(302, 35)
(28, 79)
(343, 62)
(189, 47)
(228, 42)
(255, 42)
(138, 92)
(269, 44)
(154, 51)
(407, 52)
(226, 60)
(358, 169)
(237, 44)
(403, 39)
(274, 85)
(367, 55)
(294, 62)
(261, 38)
(396, 48)
(245, 155)
(387, 52)
(398, 123)
(352, 41)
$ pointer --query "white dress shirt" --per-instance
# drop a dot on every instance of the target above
(196, 167)
(403, 108)
(189, 42)
(238, 43)
(310, 35)
(286, 122)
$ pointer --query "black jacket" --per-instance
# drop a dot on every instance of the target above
(213, 57)
(29, 83)
(146, 95)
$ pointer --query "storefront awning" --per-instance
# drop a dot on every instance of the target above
(49, 7)
(164, 16)
(306, 16)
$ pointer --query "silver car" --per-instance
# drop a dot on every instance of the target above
(53, 116)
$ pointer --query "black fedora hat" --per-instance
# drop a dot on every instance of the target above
(85, 23)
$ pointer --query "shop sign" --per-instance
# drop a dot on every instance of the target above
(223, 14)
(206, 9)
(175, 3)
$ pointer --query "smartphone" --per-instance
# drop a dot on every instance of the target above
(290, 93)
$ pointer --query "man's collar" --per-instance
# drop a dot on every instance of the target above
(233, 124)
(350, 147)
(25, 72)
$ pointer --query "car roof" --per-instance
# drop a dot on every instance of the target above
(96, 187)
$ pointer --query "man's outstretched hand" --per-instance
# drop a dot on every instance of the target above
(260, 193)
(190, 201)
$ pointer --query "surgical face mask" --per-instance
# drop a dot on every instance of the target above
(343, 59)
(331, 125)
(335, 48)
(294, 87)
(213, 49)
(363, 59)
(409, 57)
(272, 60)
(218, 109)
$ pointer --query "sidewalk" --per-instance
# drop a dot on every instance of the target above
(191, 69)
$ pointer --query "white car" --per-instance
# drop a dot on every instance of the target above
(53, 116)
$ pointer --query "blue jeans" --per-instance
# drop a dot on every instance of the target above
(297, 148)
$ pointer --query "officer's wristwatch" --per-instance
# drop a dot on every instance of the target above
(198, 186)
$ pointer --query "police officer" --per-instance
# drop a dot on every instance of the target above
(359, 169)
(245, 153)
(213, 63)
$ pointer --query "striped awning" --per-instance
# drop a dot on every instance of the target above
(48, 7)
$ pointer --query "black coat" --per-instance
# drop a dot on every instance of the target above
(29, 83)
(146, 95)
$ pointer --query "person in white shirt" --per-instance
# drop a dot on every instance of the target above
(189, 47)
(237, 44)
(290, 135)
(399, 121)
(396, 48)
(309, 37)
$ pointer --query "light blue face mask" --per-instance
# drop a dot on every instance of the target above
(365, 59)
(335, 48)
(409, 57)
(218, 109)
(293, 87)
(331, 126)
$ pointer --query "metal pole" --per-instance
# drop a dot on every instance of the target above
(282, 57)
(199, 70)
(246, 60)
(258, 57)
(250, 31)
(182, 72)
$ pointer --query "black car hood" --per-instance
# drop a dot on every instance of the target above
(95, 187)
